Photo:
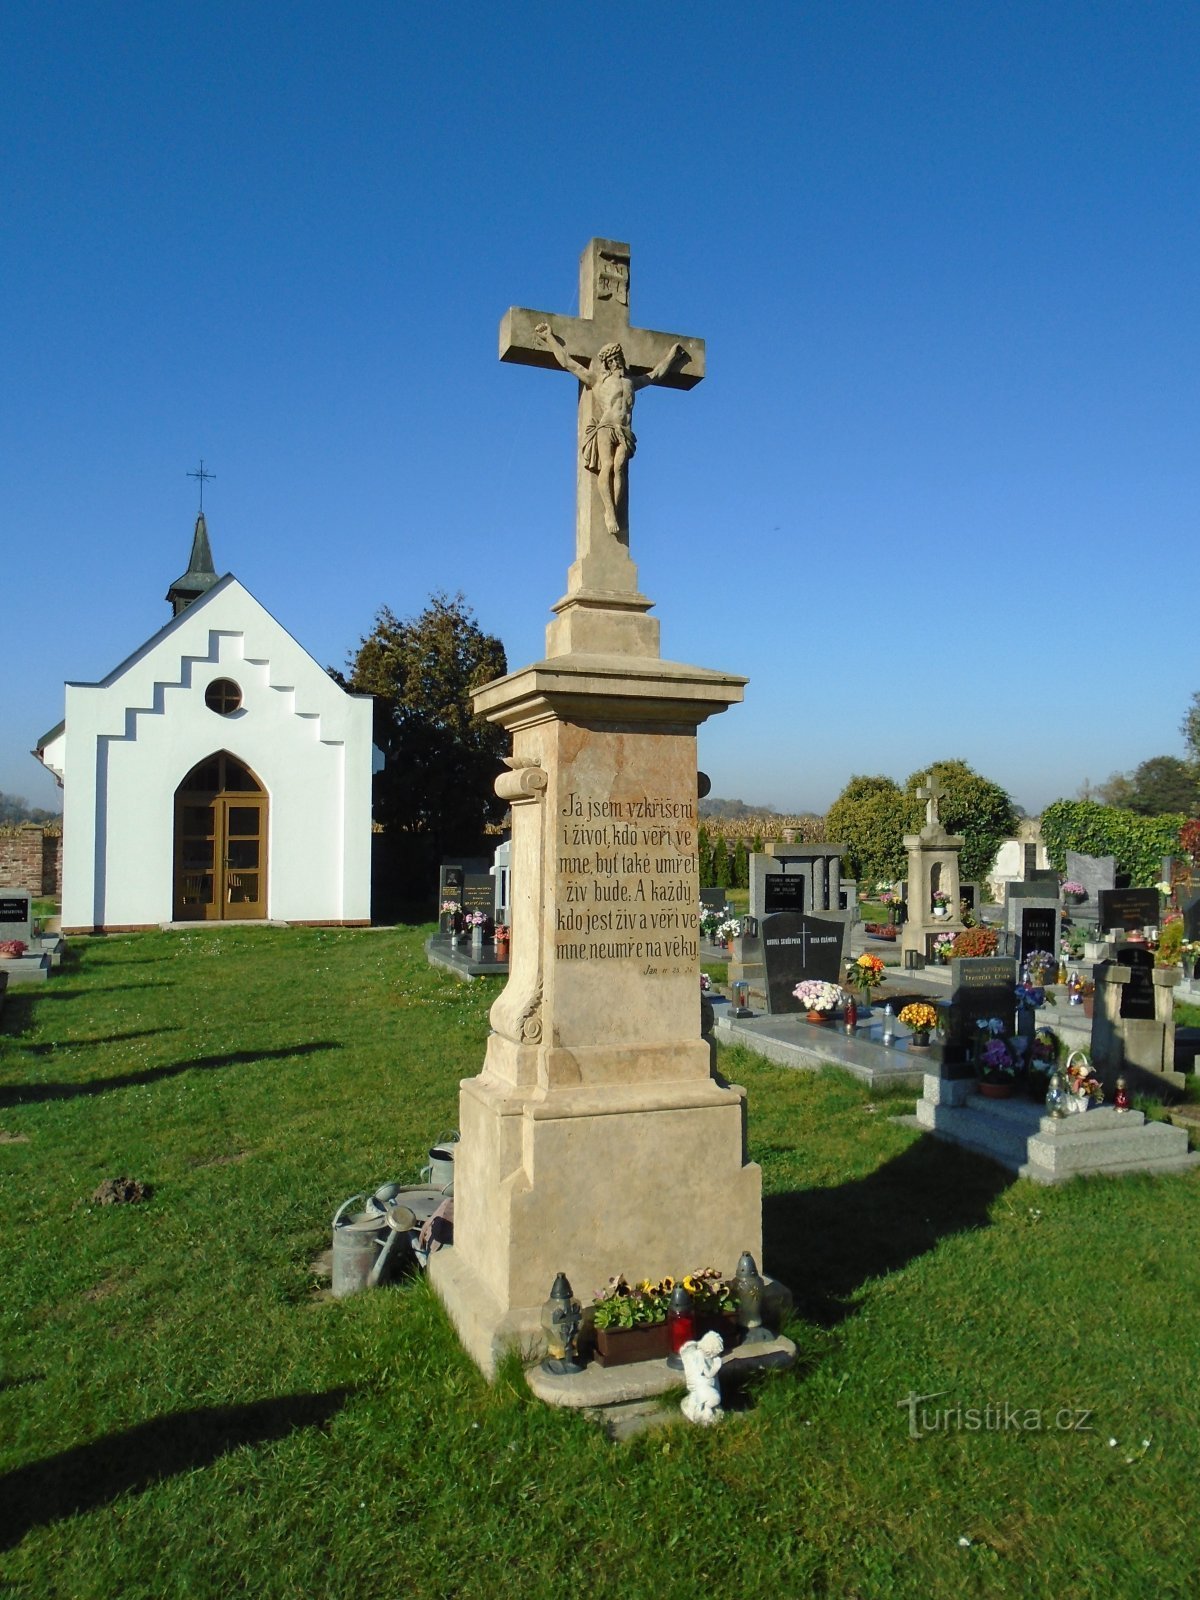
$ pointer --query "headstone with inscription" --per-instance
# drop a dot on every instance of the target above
(980, 987)
(1093, 874)
(783, 891)
(1039, 927)
(596, 1135)
(1129, 908)
(16, 917)
(796, 947)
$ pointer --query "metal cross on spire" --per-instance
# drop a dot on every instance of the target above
(204, 477)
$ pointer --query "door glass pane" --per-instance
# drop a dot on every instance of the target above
(239, 779)
(197, 888)
(197, 820)
(197, 855)
(242, 887)
(242, 853)
(243, 820)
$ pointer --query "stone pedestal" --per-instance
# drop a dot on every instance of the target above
(1145, 1042)
(932, 864)
(596, 1140)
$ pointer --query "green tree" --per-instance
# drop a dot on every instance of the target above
(973, 806)
(435, 795)
(1190, 728)
(870, 817)
(704, 858)
(1162, 784)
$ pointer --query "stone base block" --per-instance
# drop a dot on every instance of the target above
(645, 1180)
(1020, 1136)
(32, 968)
(597, 1387)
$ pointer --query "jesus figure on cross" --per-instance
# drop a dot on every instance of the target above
(609, 440)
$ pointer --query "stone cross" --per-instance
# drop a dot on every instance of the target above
(931, 793)
(583, 345)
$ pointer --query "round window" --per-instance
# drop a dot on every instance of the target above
(223, 696)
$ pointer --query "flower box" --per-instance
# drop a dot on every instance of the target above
(617, 1347)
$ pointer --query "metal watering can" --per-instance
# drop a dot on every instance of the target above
(365, 1241)
(439, 1173)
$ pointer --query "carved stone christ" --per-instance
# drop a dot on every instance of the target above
(609, 439)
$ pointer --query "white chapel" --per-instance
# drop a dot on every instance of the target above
(217, 774)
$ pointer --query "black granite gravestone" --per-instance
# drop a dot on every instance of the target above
(1129, 908)
(479, 893)
(713, 899)
(1137, 996)
(1038, 927)
(980, 986)
(795, 947)
(783, 891)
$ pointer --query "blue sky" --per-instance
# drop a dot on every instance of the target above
(936, 497)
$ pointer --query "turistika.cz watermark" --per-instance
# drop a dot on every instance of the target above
(996, 1416)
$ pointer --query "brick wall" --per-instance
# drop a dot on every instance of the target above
(31, 858)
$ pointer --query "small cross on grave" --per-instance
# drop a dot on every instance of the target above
(612, 361)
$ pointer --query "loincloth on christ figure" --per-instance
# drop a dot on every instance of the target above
(591, 450)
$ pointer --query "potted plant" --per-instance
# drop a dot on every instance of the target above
(631, 1323)
(819, 999)
(728, 931)
(1039, 968)
(1073, 893)
(864, 975)
(941, 903)
(922, 1019)
(449, 913)
(12, 949)
(997, 1069)
(477, 922)
(1084, 1088)
(1043, 1053)
(943, 947)
(973, 942)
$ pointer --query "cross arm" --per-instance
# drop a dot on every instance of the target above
(583, 337)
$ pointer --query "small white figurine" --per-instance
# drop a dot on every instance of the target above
(701, 1363)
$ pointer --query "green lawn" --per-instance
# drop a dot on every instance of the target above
(182, 1415)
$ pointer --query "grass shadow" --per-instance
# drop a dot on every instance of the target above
(58, 1046)
(36, 1093)
(826, 1243)
(92, 1475)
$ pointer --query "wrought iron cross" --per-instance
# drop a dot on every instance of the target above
(204, 478)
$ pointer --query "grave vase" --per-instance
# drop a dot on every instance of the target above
(819, 1016)
(476, 941)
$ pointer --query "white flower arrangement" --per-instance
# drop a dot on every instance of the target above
(731, 928)
(816, 995)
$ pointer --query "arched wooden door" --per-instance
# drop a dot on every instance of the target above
(220, 843)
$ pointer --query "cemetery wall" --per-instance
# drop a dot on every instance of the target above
(31, 858)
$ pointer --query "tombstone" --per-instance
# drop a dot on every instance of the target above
(783, 891)
(479, 893)
(817, 869)
(1189, 905)
(980, 986)
(596, 1139)
(713, 899)
(1129, 908)
(1095, 873)
(1137, 996)
(797, 946)
(1038, 926)
(16, 916)
(1040, 887)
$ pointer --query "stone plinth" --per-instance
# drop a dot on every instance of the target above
(1019, 1135)
(932, 863)
(1145, 1042)
(596, 1140)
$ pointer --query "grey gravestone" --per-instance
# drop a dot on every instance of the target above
(1040, 887)
(1189, 904)
(796, 947)
(1129, 908)
(1094, 873)
(713, 899)
(1137, 996)
(16, 919)
(783, 891)
(1039, 929)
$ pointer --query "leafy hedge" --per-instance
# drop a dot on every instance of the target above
(1138, 843)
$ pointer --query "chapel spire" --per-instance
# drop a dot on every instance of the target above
(200, 575)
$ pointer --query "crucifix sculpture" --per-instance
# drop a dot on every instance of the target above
(931, 792)
(612, 361)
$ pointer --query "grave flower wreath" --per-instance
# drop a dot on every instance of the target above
(814, 994)
(1083, 1083)
(12, 949)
